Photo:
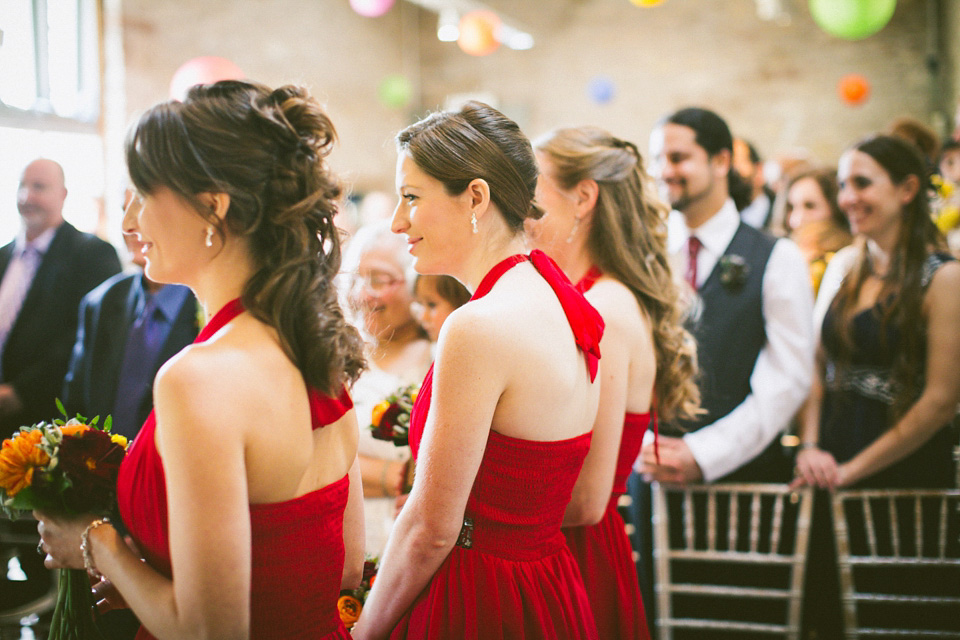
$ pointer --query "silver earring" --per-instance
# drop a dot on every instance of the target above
(573, 231)
(209, 240)
(473, 221)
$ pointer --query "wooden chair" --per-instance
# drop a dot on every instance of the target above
(898, 553)
(730, 559)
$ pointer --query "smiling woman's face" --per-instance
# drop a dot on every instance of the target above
(437, 225)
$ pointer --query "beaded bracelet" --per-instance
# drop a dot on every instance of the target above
(85, 547)
(808, 445)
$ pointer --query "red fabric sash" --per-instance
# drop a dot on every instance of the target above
(585, 321)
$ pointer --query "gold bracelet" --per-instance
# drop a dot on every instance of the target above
(85, 547)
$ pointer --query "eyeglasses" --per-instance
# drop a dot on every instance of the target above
(375, 282)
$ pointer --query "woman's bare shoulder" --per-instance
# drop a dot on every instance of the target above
(617, 305)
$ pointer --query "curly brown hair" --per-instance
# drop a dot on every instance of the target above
(266, 149)
(627, 241)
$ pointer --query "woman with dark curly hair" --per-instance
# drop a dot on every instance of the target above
(242, 490)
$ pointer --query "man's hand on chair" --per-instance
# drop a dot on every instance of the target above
(677, 464)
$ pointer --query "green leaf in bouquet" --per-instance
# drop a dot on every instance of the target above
(60, 407)
(108, 424)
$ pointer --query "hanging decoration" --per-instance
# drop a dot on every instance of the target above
(371, 8)
(601, 89)
(395, 91)
(852, 19)
(478, 32)
(854, 89)
(202, 70)
(646, 3)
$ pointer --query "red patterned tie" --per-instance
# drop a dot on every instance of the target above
(693, 249)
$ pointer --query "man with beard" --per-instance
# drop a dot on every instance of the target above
(44, 273)
(750, 310)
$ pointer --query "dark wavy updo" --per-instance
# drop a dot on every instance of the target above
(266, 149)
(456, 147)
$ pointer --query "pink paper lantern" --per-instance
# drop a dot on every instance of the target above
(202, 70)
(371, 8)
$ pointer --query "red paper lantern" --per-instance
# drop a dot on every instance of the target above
(854, 89)
(478, 32)
(202, 70)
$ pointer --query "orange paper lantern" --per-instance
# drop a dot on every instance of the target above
(854, 89)
(478, 32)
(645, 3)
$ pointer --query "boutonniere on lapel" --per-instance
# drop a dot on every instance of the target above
(733, 272)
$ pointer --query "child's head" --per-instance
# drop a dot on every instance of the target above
(436, 297)
(950, 161)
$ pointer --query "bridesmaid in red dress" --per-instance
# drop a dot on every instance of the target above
(502, 423)
(605, 226)
(248, 513)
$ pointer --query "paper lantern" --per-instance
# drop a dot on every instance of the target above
(646, 3)
(601, 89)
(852, 19)
(371, 8)
(854, 89)
(395, 91)
(202, 70)
(478, 32)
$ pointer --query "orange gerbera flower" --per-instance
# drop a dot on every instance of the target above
(18, 458)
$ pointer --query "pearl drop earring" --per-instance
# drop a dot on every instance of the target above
(209, 240)
(473, 221)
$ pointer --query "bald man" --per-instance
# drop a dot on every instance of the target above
(44, 273)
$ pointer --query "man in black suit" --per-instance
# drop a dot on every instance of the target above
(44, 273)
(111, 370)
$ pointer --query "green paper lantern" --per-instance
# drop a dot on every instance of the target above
(852, 19)
(395, 91)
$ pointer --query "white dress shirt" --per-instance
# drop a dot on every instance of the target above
(783, 372)
(755, 213)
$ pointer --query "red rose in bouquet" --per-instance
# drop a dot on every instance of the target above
(68, 468)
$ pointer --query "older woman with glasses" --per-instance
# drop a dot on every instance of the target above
(380, 294)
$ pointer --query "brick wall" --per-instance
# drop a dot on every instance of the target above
(775, 84)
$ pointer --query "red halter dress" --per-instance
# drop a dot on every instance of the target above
(297, 544)
(511, 576)
(603, 550)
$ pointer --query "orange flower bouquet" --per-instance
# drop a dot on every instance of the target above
(351, 601)
(390, 421)
(390, 418)
(68, 468)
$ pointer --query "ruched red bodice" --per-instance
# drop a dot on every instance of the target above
(297, 544)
